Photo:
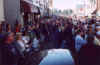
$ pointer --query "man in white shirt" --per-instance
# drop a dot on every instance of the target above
(79, 41)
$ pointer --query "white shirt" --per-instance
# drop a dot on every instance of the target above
(25, 39)
(79, 42)
(22, 45)
(35, 43)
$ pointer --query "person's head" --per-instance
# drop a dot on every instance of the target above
(29, 28)
(80, 32)
(97, 28)
(98, 34)
(90, 30)
(37, 26)
(8, 37)
(8, 28)
(33, 27)
(19, 36)
(90, 39)
(25, 33)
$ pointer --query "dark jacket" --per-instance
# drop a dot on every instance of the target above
(89, 55)
(10, 55)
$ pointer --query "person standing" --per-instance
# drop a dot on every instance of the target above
(9, 53)
(89, 54)
(79, 41)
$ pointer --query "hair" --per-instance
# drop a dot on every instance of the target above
(90, 39)
(8, 27)
(18, 36)
(5, 36)
(79, 31)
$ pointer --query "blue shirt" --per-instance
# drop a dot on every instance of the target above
(79, 42)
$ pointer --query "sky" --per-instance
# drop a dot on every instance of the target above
(64, 4)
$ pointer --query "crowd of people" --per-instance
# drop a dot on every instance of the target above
(82, 37)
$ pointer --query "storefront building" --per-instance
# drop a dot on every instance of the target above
(1, 11)
(29, 12)
(12, 11)
(98, 7)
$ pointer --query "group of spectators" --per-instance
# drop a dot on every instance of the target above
(80, 37)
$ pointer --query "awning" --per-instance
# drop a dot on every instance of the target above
(25, 7)
(34, 9)
(28, 1)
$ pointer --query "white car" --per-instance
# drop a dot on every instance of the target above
(58, 57)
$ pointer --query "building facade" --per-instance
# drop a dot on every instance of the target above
(12, 11)
(86, 7)
(98, 7)
(1, 10)
(43, 5)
